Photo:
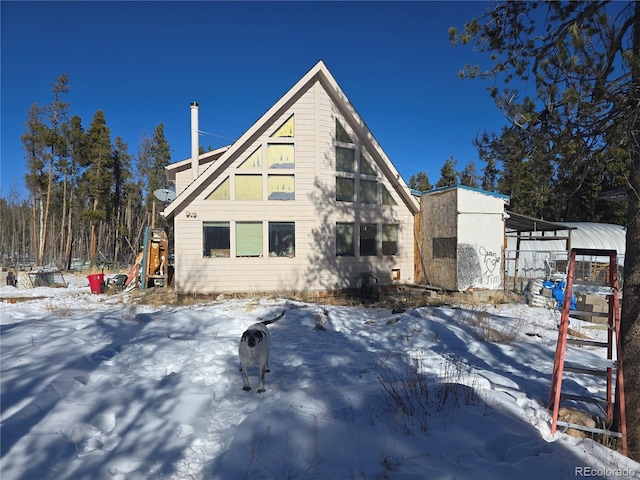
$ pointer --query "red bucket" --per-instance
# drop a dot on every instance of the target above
(96, 282)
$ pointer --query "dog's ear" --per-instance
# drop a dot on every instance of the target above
(245, 336)
(258, 334)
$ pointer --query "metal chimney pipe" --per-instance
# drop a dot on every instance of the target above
(195, 148)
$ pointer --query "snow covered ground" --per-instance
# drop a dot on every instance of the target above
(97, 387)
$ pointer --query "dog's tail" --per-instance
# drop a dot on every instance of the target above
(273, 320)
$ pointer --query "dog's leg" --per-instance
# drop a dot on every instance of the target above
(245, 379)
(268, 370)
(263, 369)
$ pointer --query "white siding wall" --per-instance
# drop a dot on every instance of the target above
(480, 240)
(314, 211)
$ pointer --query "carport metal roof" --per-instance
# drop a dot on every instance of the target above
(522, 223)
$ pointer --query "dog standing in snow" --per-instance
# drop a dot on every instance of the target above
(254, 350)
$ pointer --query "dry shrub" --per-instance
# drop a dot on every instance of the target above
(488, 327)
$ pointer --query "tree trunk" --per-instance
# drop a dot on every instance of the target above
(45, 219)
(630, 323)
(93, 238)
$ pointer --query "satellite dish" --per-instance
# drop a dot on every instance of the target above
(165, 195)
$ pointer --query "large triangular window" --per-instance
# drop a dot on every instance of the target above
(286, 130)
(365, 166)
(253, 161)
(222, 191)
(341, 133)
(387, 198)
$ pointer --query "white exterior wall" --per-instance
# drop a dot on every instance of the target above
(480, 240)
(314, 211)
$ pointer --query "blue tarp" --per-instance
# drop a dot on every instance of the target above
(557, 288)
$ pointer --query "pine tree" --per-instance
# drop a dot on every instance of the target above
(490, 172)
(420, 182)
(448, 174)
(161, 157)
(98, 178)
(469, 176)
(76, 157)
(34, 142)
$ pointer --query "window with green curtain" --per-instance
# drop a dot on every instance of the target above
(215, 239)
(345, 189)
(248, 187)
(344, 240)
(389, 239)
(249, 239)
(368, 242)
(345, 160)
(368, 191)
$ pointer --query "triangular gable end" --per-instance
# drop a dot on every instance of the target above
(348, 111)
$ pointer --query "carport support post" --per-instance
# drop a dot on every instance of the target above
(516, 264)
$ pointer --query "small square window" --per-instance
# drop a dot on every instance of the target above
(345, 189)
(282, 239)
(445, 247)
(344, 240)
(248, 187)
(281, 187)
(368, 240)
(281, 155)
(215, 239)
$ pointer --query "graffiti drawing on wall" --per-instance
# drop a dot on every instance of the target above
(491, 262)
(478, 267)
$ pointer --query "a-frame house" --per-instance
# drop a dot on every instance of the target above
(304, 200)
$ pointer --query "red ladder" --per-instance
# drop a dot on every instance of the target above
(611, 368)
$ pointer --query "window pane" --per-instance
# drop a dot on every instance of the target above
(281, 187)
(344, 240)
(280, 156)
(222, 191)
(285, 130)
(282, 239)
(365, 166)
(253, 161)
(445, 247)
(344, 189)
(368, 191)
(389, 239)
(387, 199)
(368, 240)
(215, 236)
(345, 160)
(341, 133)
(248, 187)
(249, 239)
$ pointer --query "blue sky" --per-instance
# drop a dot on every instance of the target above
(142, 63)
